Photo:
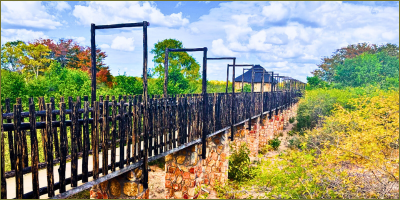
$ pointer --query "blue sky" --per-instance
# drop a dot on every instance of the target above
(289, 38)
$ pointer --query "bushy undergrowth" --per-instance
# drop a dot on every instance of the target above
(319, 103)
(353, 153)
(274, 143)
(239, 164)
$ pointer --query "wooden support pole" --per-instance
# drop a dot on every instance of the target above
(145, 114)
(205, 103)
(93, 60)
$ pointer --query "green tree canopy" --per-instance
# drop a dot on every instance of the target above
(183, 69)
(327, 69)
(367, 69)
(11, 55)
(182, 61)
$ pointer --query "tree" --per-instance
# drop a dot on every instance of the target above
(11, 54)
(73, 56)
(315, 82)
(64, 51)
(367, 69)
(328, 66)
(129, 84)
(183, 69)
(180, 60)
(36, 59)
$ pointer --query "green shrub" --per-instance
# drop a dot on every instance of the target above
(275, 143)
(239, 164)
(294, 143)
(291, 120)
(291, 132)
(265, 149)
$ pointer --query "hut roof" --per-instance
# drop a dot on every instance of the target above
(257, 76)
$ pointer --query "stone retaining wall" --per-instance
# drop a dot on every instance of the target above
(126, 186)
(215, 166)
(183, 173)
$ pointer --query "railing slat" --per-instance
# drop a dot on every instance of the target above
(34, 150)
(49, 141)
(63, 148)
(86, 142)
(95, 140)
(114, 133)
(74, 146)
(106, 132)
(55, 134)
(121, 131)
(18, 143)
(128, 131)
(79, 130)
(3, 179)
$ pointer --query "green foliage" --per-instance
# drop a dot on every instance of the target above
(367, 69)
(247, 88)
(296, 175)
(129, 84)
(315, 82)
(275, 143)
(294, 142)
(12, 85)
(265, 149)
(180, 61)
(11, 54)
(239, 164)
(291, 120)
(328, 68)
(318, 103)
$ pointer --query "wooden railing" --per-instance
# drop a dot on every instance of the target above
(69, 134)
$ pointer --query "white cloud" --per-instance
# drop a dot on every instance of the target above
(276, 11)
(123, 44)
(104, 46)
(296, 33)
(60, 5)
(218, 48)
(101, 12)
(27, 13)
(21, 34)
(178, 4)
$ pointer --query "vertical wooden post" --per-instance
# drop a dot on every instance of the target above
(262, 94)
(11, 145)
(55, 135)
(93, 60)
(49, 140)
(74, 145)
(106, 131)
(252, 97)
(18, 143)
(3, 178)
(86, 142)
(145, 117)
(205, 103)
(114, 133)
(166, 73)
(227, 78)
(233, 101)
(63, 148)
(95, 139)
(34, 149)
(121, 133)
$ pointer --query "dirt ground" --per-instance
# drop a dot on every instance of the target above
(156, 182)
